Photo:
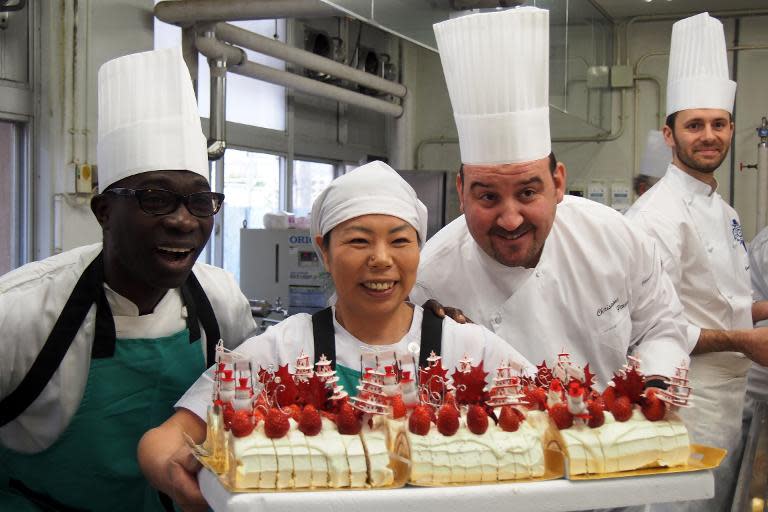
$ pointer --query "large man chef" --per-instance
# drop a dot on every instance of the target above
(99, 342)
(700, 239)
(544, 271)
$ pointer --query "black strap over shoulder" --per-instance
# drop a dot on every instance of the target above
(324, 335)
(431, 337)
(90, 289)
(325, 338)
(199, 307)
(57, 344)
(44, 502)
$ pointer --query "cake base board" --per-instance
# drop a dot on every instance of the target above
(554, 468)
(701, 457)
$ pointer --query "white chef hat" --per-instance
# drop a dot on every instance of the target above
(496, 67)
(656, 156)
(698, 66)
(374, 188)
(148, 118)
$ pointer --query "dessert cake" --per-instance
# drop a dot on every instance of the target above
(282, 430)
(455, 435)
(627, 427)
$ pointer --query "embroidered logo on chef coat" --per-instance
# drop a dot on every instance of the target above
(737, 234)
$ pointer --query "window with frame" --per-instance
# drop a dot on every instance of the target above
(309, 179)
(251, 189)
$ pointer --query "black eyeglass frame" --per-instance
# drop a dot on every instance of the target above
(178, 199)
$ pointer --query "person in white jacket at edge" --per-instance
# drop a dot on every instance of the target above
(100, 341)
(757, 378)
(702, 246)
(367, 227)
(543, 271)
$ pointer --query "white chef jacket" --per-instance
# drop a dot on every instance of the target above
(283, 343)
(757, 380)
(31, 299)
(700, 239)
(597, 292)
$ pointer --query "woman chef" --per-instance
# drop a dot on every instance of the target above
(367, 226)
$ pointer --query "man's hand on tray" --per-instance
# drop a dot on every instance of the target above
(443, 311)
(182, 476)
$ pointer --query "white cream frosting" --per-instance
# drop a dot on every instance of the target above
(297, 461)
(622, 446)
(467, 457)
(377, 453)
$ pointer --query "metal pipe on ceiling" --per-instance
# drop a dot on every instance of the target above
(213, 49)
(189, 12)
(258, 43)
(217, 130)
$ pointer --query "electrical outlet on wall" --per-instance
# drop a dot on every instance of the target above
(596, 192)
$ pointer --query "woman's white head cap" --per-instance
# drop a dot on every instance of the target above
(496, 66)
(148, 117)
(656, 156)
(374, 188)
(698, 66)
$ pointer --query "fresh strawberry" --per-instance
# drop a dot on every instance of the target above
(519, 413)
(228, 413)
(242, 424)
(535, 398)
(509, 419)
(449, 398)
(622, 408)
(310, 422)
(420, 421)
(347, 421)
(477, 420)
(609, 396)
(398, 407)
(426, 409)
(561, 416)
(294, 411)
(276, 425)
(596, 415)
(653, 408)
(448, 420)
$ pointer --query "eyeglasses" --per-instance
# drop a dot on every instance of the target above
(157, 201)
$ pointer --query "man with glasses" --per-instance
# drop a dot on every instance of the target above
(99, 342)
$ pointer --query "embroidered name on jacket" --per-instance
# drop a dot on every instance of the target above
(607, 307)
(604, 309)
(737, 234)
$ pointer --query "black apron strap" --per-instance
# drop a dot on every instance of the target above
(44, 502)
(431, 336)
(56, 346)
(90, 289)
(199, 308)
(324, 335)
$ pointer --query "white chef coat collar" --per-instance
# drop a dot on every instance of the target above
(122, 306)
(689, 183)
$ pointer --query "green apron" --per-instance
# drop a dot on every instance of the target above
(348, 378)
(93, 465)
